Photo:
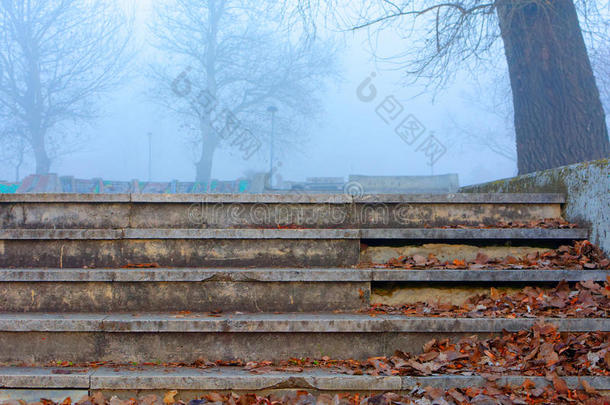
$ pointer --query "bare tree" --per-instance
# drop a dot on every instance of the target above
(238, 57)
(558, 115)
(13, 148)
(57, 57)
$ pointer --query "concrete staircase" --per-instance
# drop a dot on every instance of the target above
(174, 279)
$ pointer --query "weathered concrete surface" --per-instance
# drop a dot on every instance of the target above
(180, 253)
(464, 198)
(48, 378)
(129, 233)
(64, 198)
(294, 275)
(117, 215)
(445, 252)
(239, 380)
(227, 378)
(151, 296)
(235, 379)
(105, 214)
(474, 198)
(224, 379)
(76, 248)
(255, 290)
(356, 215)
(477, 234)
(44, 347)
(43, 338)
(34, 395)
(586, 186)
(61, 234)
(261, 234)
(488, 276)
(278, 323)
(446, 293)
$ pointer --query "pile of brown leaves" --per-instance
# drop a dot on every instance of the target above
(525, 394)
(547, 223)
(581, 255)
(490, 394)
(587, 300)
(541, 351)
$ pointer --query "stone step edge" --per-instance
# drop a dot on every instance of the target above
(280, 323)
(237, 379)
(298, 275)
(456, 198)
(296, 234)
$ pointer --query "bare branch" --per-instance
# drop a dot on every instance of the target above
(239, 53)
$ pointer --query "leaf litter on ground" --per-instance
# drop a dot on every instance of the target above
(540, 351)
(490, 393)
(586, 299)
(581, 255)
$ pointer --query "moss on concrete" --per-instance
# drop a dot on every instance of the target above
(586, 186)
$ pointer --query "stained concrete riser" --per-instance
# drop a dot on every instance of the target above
(42, 348)
(104, 297)
(180, 253)
(209, 215)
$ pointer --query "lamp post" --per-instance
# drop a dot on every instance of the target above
(149, 156)
(273, 110)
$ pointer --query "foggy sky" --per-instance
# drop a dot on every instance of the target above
(348, 139)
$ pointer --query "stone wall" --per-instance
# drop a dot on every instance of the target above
(586, 185)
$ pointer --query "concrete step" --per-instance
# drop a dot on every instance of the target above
(74, 248)
(43, 338)
(310, 275)
(298, 234)
(178, 248)
(191, 382)
(82, 211)
(251, 290)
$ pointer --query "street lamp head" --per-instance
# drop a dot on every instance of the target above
(272, 109)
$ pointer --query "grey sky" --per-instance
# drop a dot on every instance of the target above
(349, 139)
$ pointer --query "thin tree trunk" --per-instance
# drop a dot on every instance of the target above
(205, 164)
(208, 148)
(18, 167)
(559, 118)
(43, 163)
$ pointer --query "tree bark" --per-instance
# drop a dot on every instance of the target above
(208, 148)
(204, 166)
(559, 118)
(43, 163)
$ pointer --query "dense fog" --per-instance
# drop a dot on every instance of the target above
(133, 96)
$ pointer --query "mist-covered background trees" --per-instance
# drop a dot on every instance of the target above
(507, 85)
(558, 114)
(237, 60)
(56, 58)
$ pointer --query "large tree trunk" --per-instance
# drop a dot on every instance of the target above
(559, 118)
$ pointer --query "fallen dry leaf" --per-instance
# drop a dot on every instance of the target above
(168, 398)
(581, 255)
